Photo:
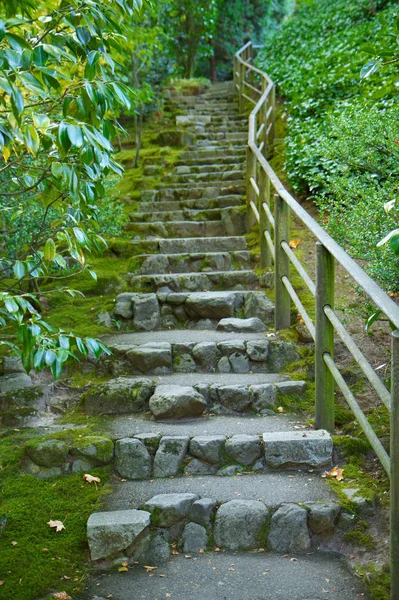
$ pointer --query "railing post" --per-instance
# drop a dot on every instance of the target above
(324, 338)
(394, 453)
(263, 115)
(264, 225)
(251, 195)
(282, 302)
(273, 117)
(241, 84)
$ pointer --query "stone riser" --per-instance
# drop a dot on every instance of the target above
(148, 455)
(177, 246)
(198, 262)
(228, 356)
(194, 525)
(185, 169)
(193, 192)
(236, 159)
(177, 229)
(192, 282)
(201, 204)
(178, 215)
(214, 155)
(217, 175)
(143, 312)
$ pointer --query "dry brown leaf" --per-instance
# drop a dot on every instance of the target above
(392, 295)
(187, 556)
(261, 550)
(45, 550)
(1, 583)
(61, 596)
(91, 479)
(217, 549)
(125, 563)
(162, 575)
(174, 552)
(231, 569)
(202, 551)
(14, 543)
(168, 595)
(335, 473)
(59, 525)
(294, 243)
(149, 569)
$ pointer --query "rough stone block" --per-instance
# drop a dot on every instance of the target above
(235, 397)
(197, 467)
(168, 509)
(170, 455)
(208, 448)
(257, 304)
(112, 532)
(152, 549)
(210, 305)
(291, 387)
(322, 516)
(206, 355)
(298, 448)
(244, 448)
(202, 511)
(146, 312)
(239, 524)
(263, 396)
(289, 530)
(254, 325)
(132, 459)
(123, 395)
(176, 402)
(47, 453)
(195, 538)
(258, 350)
(156, 357)
(98, 450)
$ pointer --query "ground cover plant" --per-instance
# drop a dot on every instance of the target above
(342, 130)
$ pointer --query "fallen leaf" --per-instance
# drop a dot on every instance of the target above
(45, 550)
(392, 295)
(149, 569)
(91, 479)
(168, 595)
(125, 563)
(280, 409)
(294, 243)
(162, 575)
(14, 543)
(123, 569)
(174, 552)
(187, 556)
(1, 582)
(293, 559)
(59, 525)
(202, 551)
(261, 550)
(335, 473)
(230, 569)
(217, 550)
(61, 596)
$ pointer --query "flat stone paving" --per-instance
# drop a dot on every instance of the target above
(182, 336)
(234, 576)
(270, 488)
(128, 426)
(218, 378)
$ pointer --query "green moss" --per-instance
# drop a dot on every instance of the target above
(361, 538)
(28, 503)
(377, 581)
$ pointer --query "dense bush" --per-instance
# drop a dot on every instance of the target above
(342, 132)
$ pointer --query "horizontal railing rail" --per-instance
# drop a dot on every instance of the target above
(269, 205)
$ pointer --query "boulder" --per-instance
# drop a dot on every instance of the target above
(258, 350)
(208, 448)
(132, 459)
(229, 347)
(170, 455)
(281, 354)
(235, 397)
(239, 363)
(289, 530)
(206, 355)
(257, 304)
(96, 449)
(152, 549)
(298, 448)
(210, 305)
(47, 453)
(244, 448)
(195, 538)
(239, 524)
(224, 365)
(150, 440)
(14, 381)
(322, 516)
(176, 402)
(168, 509)
(114, 531)
(202, 511)
(291, 387)
(123, 395)
(197, 467)
(184, 363)
(156, 357)
(254, 325)
(263, 396)
(146, 312)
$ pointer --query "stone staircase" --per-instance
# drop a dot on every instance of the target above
(217, 493)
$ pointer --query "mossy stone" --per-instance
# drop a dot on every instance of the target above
(47, 453)
(98, 449)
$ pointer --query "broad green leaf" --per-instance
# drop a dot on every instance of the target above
(19, 269)
(50, 250)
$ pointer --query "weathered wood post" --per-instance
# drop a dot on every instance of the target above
(394, 509)
(264, 225)
(251, 195)
(324, 338)
(282, 302)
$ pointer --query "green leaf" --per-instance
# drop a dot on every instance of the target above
(50, 250)
(94, 346)
(19, 269)
(75, 135)
(83, 35)
(370, 68)
(372, 319)
(42, 122)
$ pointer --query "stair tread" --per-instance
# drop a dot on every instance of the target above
(220, 379)
(270, 488)
(183, 336)
(254, 576)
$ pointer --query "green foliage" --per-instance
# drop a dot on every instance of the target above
(342, 132)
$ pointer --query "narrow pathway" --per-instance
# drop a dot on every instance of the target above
(219, 467)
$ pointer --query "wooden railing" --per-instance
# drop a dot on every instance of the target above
(265, 191)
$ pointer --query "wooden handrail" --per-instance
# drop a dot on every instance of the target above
(262, 184)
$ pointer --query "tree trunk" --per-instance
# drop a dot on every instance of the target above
(212, 62)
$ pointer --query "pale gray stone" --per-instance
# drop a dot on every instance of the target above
(123, 395)
(81, 465)
(168, 509)
(104, 318)
(241, 325)
(206, 355)
(263, 396)
(150, 440)
(208, 448)
(258, 350)
(146, 313)
(244, 448)
(14, 381)
(235, 397)
(152, 550)
(112, 532)
(291, 387)
(176, 402)
(211, 305)
(229, 347)
(281, 354)
(48, 453)
(224, 365)
(298, 448)
(289, 530)
(257, 304)
(184, 364)
(195, 538)
(322, 516)
(170, 455)
(132, 459)
(230, 471)
(156, 357)
(239, 363)
(124, 308)
(239, 524)
(12, 364)
(202, 511)
(197, 467)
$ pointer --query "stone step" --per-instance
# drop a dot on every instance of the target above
(217, 175)
(196, 281)
(185, 351)
(177, 229)
(197, 262)
(218, 575)
(185, 169)
(212, 154)
(232, 159)
(213, 214)
(200, 204)
(194, 191)
(202, 310)
(229, 136)
(124, 247)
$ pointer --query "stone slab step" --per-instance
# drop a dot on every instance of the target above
(188, 352)
(200, 204)
(192, 192)
(270, 488)
(213, 214)
(207, 154)
(233, 159)
(127, 248)
(222, 183)
(188, 263)
(177, 229)
(210, 576)
(202, 310)
(217, 175)
(214, 280)
(185, 169)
